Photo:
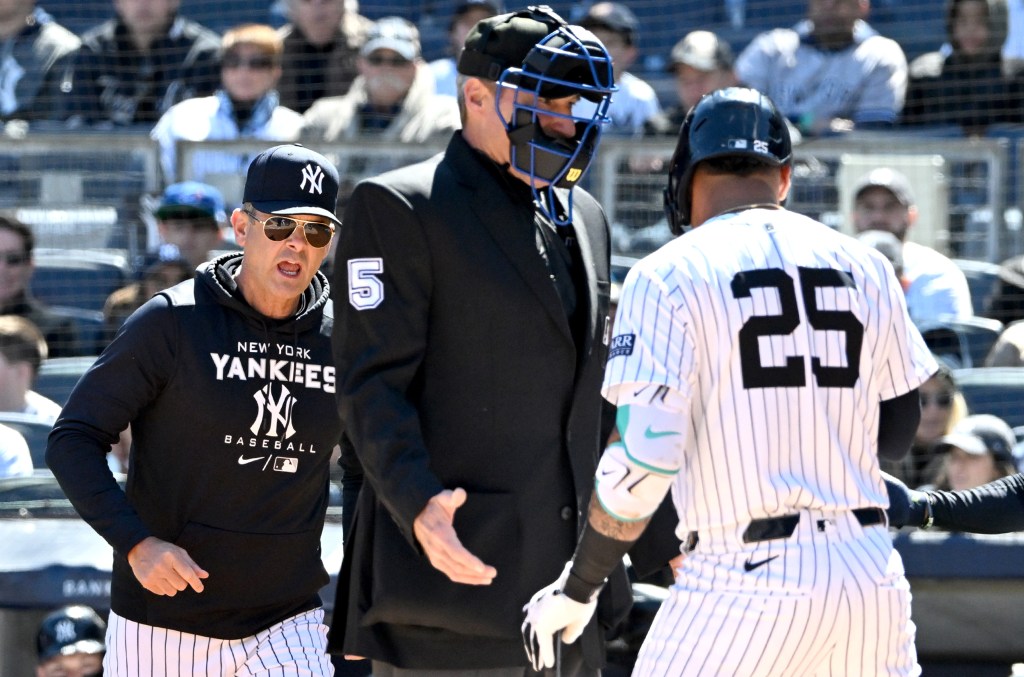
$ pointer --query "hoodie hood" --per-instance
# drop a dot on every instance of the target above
(218, 277)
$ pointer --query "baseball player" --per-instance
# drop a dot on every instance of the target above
(761, 364)
(228, 385)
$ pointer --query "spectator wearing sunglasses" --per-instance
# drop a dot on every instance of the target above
(942, 407)
(245, 106)
(227, 382)
(16, 267)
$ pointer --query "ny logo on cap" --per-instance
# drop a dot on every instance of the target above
(315, 176)
(65, 631)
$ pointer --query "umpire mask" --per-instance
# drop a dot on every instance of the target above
(569, 61)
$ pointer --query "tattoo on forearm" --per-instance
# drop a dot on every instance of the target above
(608, 526)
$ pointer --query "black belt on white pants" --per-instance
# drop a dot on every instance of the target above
(771, 528)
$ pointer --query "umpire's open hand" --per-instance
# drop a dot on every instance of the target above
(435, 531)
(163, 568)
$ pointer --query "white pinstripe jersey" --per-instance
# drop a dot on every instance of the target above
(781, 336)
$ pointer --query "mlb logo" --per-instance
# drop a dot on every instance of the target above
(286, 464)
(736, 144)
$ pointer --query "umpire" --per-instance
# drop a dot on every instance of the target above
(472, 300)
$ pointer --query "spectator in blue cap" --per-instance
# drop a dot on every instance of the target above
(189, 217)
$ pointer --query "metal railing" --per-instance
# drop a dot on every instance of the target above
(92, 190)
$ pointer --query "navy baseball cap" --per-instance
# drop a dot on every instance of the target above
(70, 630)
(191, 199)
(292, 179)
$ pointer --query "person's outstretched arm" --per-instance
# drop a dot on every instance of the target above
(993, 508)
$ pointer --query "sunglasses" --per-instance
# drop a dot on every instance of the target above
(280, 228)
(256, 63)
(14, 258)
(943, 400)
(393, 61)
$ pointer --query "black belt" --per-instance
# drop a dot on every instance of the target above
(783, 527)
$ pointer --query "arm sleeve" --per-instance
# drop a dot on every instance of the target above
(129, 375)
(382, 285)
(898, 422)
(993, 508)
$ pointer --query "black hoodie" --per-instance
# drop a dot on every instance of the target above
(233, 421)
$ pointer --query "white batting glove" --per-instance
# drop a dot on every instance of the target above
(548, 613)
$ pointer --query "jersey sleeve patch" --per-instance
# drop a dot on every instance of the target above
(622, 345)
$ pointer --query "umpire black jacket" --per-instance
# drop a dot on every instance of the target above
(457, 368)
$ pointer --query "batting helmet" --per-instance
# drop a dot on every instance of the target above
(536, 53)
(70, 630)
(730, 122)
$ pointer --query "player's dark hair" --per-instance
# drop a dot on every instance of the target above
(20, 229)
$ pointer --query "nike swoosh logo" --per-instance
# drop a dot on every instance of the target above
(652, 435)
(242, 460)
(750, 566)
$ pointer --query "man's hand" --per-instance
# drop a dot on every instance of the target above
(550, 612)
(163, 568)
(906, 506)
(436, 535)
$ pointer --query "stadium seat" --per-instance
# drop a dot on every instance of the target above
(982, 278)
(89, 327)
(78, 278)
(963, 342)
(58, 376)
(35, 431)
(994, 390)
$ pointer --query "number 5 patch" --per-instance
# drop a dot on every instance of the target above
(365, 289)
